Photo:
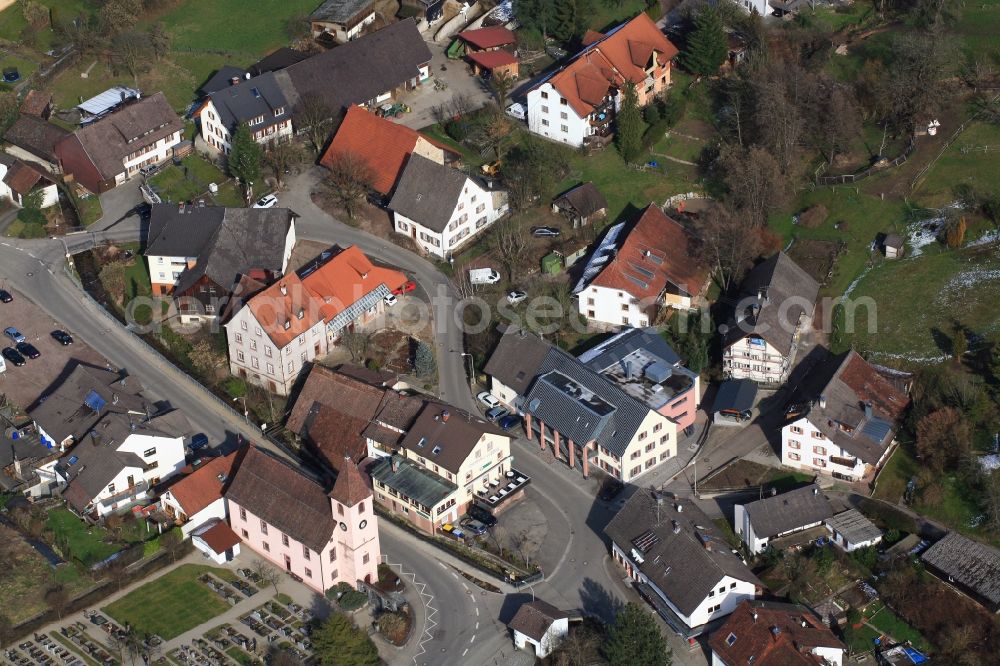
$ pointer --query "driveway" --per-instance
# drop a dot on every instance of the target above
(461, 83)
(118, 204)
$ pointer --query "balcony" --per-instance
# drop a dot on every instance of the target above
(849, 463)
(499, 492)
(127, 494)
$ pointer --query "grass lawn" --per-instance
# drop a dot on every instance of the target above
(470, 157)
(12, 20)
(89, 209)
(865, 215)
(977, 27)
(891, 624)
(609, 14)
(188, 181)
(836, 19)
(86, 543)
(973, 167)
(24, 66)
(170, 605)
(229, 195)
(28, 575)
(239, 655)
(918, 299)
(860, 639)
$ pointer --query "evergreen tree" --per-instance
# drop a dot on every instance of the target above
(570, 19)
(423, 360)
(707, 48)
(339, 643)
(535, 15)
(245, 157)
(630, 125)
(635, 640)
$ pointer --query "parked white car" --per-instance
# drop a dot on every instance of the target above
(488, 399)
(516, 296)
(267, 201)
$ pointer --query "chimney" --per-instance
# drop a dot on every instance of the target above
(822, 402)
(868, 410)
(283, 288)
(679, 507)
(754, 613)
(445, 415)
(394, 463)
(628, 370)
(235, 81)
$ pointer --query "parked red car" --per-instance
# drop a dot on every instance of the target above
(407, 287)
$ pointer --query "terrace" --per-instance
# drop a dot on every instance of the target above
(648, 379)
(499, 492)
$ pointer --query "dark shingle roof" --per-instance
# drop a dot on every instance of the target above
(412, 480)
(277, 60)
(516, 359)
(428, 192)
(340, 11)
(685, 564)
(789, 511)
(606, 355)
(583, 200)
(360, 70)
(534, 618)
(36, 136)
(223, 78)
(735, 394)
(111, 139)
(779, 280)
(284, 497)
(97, 464)
(258, 96)
(971, 564)
(176, 232)
(446, 435)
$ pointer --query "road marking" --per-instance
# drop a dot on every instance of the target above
(465, 586)
(477, 626)
(465, 652)
(477, 611)
(428, 598)
(473, 639)
(455, 575)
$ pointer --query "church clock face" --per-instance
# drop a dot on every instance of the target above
(343, 526)
(363, 524)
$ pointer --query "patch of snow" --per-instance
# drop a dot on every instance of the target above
(851, 287)
(967, 280)
(986, 239)
(911, 357)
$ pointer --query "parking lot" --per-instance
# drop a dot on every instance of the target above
(24, 385)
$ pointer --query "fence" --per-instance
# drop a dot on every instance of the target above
(947, 144)
(854, 177)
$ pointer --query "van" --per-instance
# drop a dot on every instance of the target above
(483, 276)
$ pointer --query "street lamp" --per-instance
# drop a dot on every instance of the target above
(246, 414)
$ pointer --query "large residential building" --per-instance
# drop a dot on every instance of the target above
(296, 319)
(384, 146)
(116, 445)
(638, 270)
(843, 418)
(258, 101)
(679, 561)
(768, 633)
(367, 71)
(579, 101)
(440, 209)
(776, 305)
(621, 406)
(342, 20)
(769, 519)
(211, 258)
(105, 153)
(325, 537)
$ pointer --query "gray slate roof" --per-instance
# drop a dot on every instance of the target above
(735, 394)
(516, 359)
(606, 355)
(223, 78)
(428, 192)
(361, 70)
(340, 11)
(412, 480)
(789, 511)
(228, 242)
(973, 565)
(277, 60)
(854, 526)
(583, 200)
(97, 465)
(534, 618)
(685, 565)
(781, 280)
(258, 96)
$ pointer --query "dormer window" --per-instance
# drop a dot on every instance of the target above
(280, 110)
(288, 324)
(300, 314)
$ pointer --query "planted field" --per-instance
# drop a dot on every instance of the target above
(170, 605)
(26, 577)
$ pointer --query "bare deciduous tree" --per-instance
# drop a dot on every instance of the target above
(727, 244)
(754, 180)
(281, 156)
(356, 342)
(58, 599)
(172, 543)
(509, 240)
(316, 116)
(268, 574)
(350, 180)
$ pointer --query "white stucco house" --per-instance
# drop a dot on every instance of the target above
(257, 101)
(777, 516)
(440, 208)
(850, 530)
(538, 627)
(678, 561)
(196, 497)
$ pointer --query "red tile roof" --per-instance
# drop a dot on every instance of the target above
(321, 295)
(873, 387)
(202, 486)
(22, 177)
(219, 537)
(772, 634)
(383, 144)
(493, 59)
(35, 102)
(610, 60)
(656, 251)
(350, 487)
(488, 38)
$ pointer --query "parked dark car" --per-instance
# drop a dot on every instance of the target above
(13, 356)
(62, 337)
(28, 349)
(199, 441)
(610, 489)
(545, 231)
(509, 421)
(482, 515)
(5, 296)
(496, 413)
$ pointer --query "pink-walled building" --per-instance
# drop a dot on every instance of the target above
(286, 517)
